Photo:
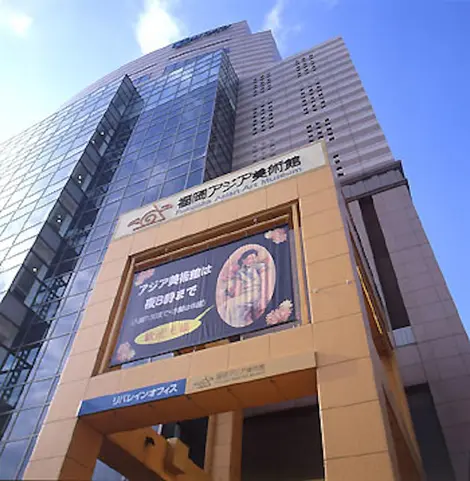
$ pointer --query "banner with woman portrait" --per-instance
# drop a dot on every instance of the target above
(222, 292)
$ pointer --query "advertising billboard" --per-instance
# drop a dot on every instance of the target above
(226, 291)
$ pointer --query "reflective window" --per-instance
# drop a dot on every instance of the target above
(53, 353)
(156, 143)
(37, 393)
(11, 457)
(25, 423)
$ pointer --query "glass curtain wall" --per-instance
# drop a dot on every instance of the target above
(173, 131)
(33, 346)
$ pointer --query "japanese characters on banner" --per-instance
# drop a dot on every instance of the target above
(131, 398)
(226, 187)
(218, 293)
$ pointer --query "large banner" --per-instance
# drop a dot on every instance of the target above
(222, 292)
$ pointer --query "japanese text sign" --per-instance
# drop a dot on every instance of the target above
(243, 181)
(218, 293)
(131, 398)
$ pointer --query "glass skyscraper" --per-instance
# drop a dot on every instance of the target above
(65, 181)
(175, 118)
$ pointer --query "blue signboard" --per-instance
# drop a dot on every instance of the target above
(188, 40)
(226, 291)
(131, 398)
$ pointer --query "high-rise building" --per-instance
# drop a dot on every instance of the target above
(170, 121)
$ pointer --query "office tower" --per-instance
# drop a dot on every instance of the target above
(169, 121)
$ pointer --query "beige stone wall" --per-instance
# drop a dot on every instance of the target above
(365, 423)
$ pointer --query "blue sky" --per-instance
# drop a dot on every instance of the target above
(412, 55)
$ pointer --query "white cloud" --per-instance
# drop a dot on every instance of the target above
(158, 26)
(14, 21)
(20, 23)
(275, 21)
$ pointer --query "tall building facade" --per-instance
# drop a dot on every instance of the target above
(171, 120)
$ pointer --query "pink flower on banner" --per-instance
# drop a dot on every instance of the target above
(141, 277)
(281, 314)
(278, 235)
(125, 352)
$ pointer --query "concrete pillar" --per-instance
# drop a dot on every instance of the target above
(66, 450)
(357, 440)
(224, 446)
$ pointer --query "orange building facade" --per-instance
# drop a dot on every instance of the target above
(337, 353)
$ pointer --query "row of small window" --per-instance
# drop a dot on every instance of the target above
(305, 65)
(319, 134)
(261, 84)
(263, 117)
(312, 94)
(338, 166)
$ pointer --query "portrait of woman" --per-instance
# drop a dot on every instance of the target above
(245, 285)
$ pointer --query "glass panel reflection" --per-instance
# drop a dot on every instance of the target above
(169, 132)
(11, 457)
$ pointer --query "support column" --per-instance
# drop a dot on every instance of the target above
(354, 424)
(357, 443)
(224, 446)
(65, 450)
